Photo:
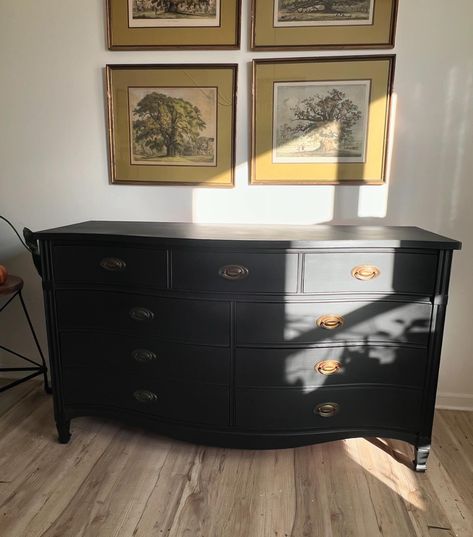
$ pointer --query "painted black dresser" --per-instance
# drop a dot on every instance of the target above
(248, 336)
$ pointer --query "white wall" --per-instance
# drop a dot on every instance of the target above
(53, 154)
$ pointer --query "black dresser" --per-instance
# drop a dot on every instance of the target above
(248, 336)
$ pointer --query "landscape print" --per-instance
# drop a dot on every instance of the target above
(320, 121)
(322, 12)
(173, 13)
(174, 126)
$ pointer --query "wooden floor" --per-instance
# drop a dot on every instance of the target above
(122, 482)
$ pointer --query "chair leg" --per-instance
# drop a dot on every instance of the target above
(47, 387)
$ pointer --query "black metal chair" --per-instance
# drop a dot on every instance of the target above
(12, 289)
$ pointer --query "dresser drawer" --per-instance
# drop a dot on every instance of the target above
(355, 407)
(326, 366)
(123, 356)
(110, 264)
(234, 272)
(296, 323)
(193, 321)
(182, 401)
(370, 272)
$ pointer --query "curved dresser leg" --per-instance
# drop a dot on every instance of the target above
(47, 386)
(422, 454)
(64, 431)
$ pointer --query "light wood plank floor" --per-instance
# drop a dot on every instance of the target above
(123, 482)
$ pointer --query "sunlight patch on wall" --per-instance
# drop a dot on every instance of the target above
(373, 201)
(254, 204)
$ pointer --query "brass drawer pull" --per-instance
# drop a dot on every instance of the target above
(233, 272)
(113, 264)
(141, 314)
(328, 367)
(326, 410)
(143, 355)
(330, 322)
(365, 272)
(145, 396)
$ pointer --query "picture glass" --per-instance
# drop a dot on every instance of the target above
(317, 122)
(322, 12)
(173, 126)
(173, 13)
(322, 120)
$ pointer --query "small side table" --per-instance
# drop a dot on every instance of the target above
(12, 289)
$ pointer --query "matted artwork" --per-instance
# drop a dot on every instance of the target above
(306, 24)
(173, 24)
(172, 124)
(173, 13)
(321, 120)
(322, 13)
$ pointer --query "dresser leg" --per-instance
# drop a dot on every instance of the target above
(64, 431)
(422, 454)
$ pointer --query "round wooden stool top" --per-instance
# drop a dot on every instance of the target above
(12, 285)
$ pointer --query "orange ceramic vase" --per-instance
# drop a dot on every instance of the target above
(3, 274)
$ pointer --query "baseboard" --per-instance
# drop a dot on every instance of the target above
(454, 401)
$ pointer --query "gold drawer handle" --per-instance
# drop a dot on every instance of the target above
(328, 367)
(330, 322)
(145, 396)
(326, 410)
(113, 264)
(233, 272)
(365, 272)
(143, 355)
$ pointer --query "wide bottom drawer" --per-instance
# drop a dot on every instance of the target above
(183, 401)
(323, 408)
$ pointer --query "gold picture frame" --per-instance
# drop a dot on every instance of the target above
(321, 120)
(172, 124)
(326, 24)
(169, 24)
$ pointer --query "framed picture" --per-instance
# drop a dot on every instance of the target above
(321, 120)
(172, 124)
(173, 24)
(316, 24)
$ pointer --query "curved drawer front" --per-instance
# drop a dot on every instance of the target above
(144, 357)
(193, 321)
(182, 401)
(234, 272)
(325, 408)
(295, 323)
(367, 272)
(327, 366)
(110, 264)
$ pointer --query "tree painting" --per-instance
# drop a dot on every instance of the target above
(320, 122)
(174, 12)
(322, 12)
(173, 126)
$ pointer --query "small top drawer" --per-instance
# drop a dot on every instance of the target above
(111, 264)
(234, 272)
(386, 272)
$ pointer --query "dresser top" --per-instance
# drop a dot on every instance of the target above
(285, 236)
